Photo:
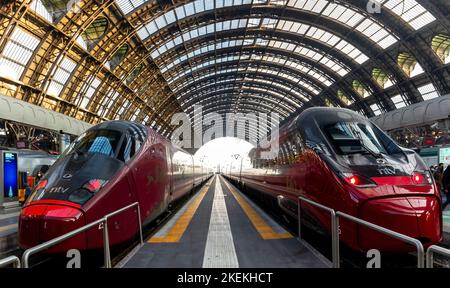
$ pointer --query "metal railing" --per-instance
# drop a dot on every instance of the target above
(334, 235)
(438, 250)
(399, 236)
(335, 232)
(107, 256)
(10, 260)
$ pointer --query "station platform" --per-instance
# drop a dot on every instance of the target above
(446, 219)
(8, 230)
(220, 227)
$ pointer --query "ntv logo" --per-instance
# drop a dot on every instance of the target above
(259, 127)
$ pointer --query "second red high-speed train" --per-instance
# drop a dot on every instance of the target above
(338, 158)
(110, 166)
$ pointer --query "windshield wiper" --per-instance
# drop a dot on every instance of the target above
(373, 153)
(361, 142)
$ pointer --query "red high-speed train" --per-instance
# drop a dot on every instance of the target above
(340, 159)
(110, 166)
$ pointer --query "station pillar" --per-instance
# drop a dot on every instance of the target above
(64, 141)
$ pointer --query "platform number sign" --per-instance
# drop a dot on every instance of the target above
(10, 175)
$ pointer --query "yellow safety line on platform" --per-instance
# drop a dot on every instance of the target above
(176, 232)
(8, 227)
(261, 226)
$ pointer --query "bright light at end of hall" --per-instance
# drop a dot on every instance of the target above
(222, 154)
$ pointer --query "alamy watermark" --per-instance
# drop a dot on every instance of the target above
(373, 7)
(260, 129)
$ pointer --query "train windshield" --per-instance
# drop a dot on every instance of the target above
(353, 137)
(105, 142)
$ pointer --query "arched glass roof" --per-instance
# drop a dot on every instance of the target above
(146, 60)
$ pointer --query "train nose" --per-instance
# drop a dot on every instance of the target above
(417, 217)
(41, 222)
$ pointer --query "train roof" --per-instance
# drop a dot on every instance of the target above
(136, 129)
(326, 115)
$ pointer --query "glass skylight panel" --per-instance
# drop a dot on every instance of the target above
(315, 6)
(270, 59)
(254, 22)
(129, 5)
(143, 33)
(168, 19)
(272, 83)
(192, 80)
(60, 77)
(124, 107)
(322, 59)
(90, 92)
(323, 36)
(388, 83)
(269, 23)
(417, 70)
(292, 78)
(201, 65)
(16, 53)
(398, 101)
(376, 33)
(206, 85)
(111, 98)
(351, 51)
(108, 65)
(376, 110)
(184, 11)
(428, 92)
(290, 26)
(342, 14)
(205, 49)
(40, 9)
(411, 12)
(136, 114)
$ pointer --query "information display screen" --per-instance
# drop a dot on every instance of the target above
(444, 156)
(10, 175)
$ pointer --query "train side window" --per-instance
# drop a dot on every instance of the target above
(128, 149)
(137, 145)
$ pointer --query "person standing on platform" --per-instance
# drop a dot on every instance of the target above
(446, 184)
(438, 177)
